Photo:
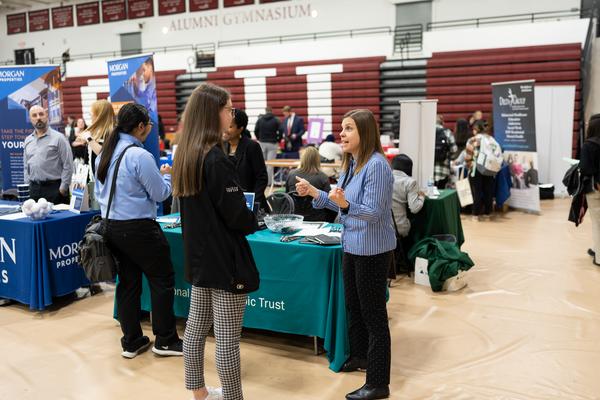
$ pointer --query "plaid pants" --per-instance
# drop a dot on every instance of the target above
(226, 311)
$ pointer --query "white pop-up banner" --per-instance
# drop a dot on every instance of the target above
(554, 108)
(417, 136)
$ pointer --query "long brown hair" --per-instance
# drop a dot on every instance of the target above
(105, 120)
(201, 132)
(310, 161)
(370, 141)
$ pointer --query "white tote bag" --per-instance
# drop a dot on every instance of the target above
(463, 189)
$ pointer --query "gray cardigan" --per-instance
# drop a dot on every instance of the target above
(406, 193)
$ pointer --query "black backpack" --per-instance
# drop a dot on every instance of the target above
(442, 147)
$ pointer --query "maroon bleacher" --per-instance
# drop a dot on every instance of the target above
(356, 87)
(461, 80)
(165, 91)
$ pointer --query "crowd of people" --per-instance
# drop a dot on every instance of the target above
(456, 156)
(217, 160)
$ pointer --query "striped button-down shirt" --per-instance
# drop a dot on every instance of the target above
(368, 226)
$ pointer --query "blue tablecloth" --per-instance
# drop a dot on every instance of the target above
(39, 260)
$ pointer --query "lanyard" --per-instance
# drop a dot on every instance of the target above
(348, 176)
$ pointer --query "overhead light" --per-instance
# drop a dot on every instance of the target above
(314, 13)
(165, 30)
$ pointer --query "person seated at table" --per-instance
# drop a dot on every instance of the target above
(310, 169)
(135, 238)
(332, 152)
(218, 260)
(247, 157)
(364, 201)
(406, 196)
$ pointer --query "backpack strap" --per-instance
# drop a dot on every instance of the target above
(114, 179)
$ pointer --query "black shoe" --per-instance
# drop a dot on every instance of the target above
(355, 364)
(174, 349)
(369, 392)
(141, 345)
(591, 253)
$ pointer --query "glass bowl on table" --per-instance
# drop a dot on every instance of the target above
(284, 223)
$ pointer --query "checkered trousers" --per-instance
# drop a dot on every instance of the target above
(226, 311)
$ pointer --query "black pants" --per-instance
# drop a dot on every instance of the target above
(50, 190)
(482, 188)
(365, 282)
(141, 247)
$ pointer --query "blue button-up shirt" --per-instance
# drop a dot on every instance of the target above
(139, 183)
(368, 226)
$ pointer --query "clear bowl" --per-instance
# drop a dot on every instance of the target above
(284, 223)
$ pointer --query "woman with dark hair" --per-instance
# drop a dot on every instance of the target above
(589, 165)
(218, 259)
(247, 157)
(134, 236)
(79, 148)
(364, 201)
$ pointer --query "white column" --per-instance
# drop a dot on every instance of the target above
(89, 94)
(319, 91)
(255, 92)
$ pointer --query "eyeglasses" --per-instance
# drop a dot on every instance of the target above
(232, 111)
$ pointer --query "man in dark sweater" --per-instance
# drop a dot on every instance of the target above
(267, 133)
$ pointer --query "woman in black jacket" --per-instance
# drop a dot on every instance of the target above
(218, 259)
(247, 157)
(589, 165)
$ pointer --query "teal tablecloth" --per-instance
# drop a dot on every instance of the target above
(301, 291)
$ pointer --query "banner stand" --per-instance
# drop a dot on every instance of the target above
(417, 136)
(514, 130)
(22, 87)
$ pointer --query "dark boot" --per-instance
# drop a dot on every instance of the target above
(369, 392)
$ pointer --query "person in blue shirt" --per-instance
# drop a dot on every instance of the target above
(134, 237)
(364, 201)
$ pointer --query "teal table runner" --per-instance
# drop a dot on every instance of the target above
(301, 290)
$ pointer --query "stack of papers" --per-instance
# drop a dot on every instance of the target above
(168, 220)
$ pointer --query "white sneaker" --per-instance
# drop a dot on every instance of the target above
(213, 394)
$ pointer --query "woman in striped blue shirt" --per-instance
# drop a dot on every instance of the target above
(364, 200)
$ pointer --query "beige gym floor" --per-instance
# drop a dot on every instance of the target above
(526, 327)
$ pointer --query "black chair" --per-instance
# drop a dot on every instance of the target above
(280, 203)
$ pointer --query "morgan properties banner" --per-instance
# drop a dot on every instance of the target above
(132, 80)
(514, 129)
(22, 87)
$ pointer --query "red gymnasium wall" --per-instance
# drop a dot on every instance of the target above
(461, 79)
(325, 89)
(80, 92)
